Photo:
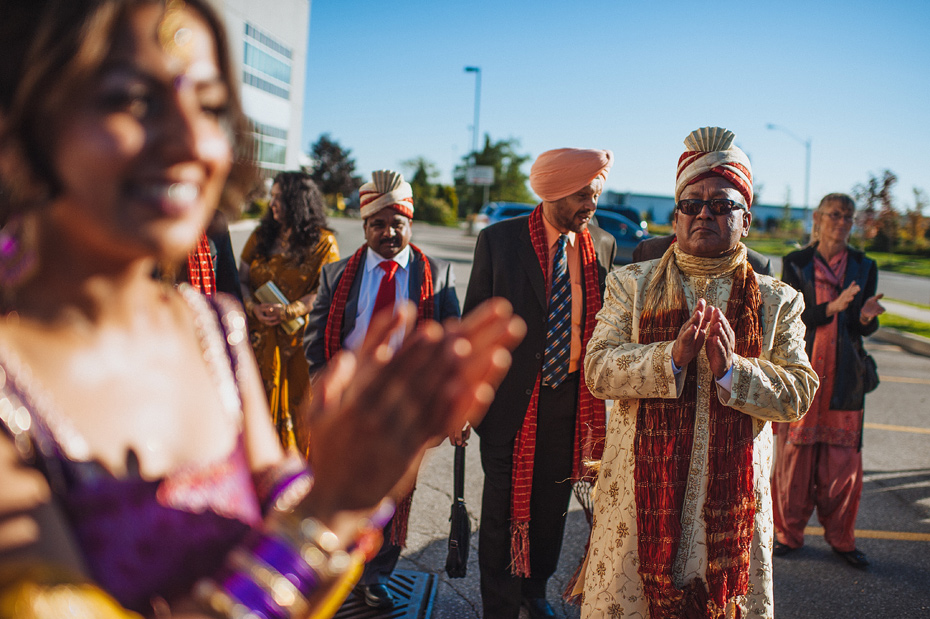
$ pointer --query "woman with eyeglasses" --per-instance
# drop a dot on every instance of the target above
(819, 458)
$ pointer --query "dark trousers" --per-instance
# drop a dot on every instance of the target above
(502, 592)
(379, 569)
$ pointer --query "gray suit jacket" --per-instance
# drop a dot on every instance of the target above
(446, 302)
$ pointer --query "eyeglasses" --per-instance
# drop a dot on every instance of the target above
(837, 216)
(717, 206)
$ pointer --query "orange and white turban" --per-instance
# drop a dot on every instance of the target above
(711, 152)
(561, 172)
(387, 189)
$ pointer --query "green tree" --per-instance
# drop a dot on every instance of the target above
(879, 220)
(787, 225)
(333, 169)
(433, 202)
(509, 179)
(915, 224)
(420, 174)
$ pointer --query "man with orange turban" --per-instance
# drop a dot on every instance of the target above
(699, 354)
(543, 424)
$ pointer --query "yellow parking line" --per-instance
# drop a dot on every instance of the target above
(884, 426)
(896, 535)
(904, 379)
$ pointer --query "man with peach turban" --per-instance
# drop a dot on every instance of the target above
(699, 354)
(543, 425)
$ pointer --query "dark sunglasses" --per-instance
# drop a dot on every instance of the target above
(717, 206)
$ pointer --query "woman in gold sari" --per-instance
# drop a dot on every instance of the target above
(288, 249)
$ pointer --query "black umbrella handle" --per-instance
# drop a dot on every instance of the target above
(459, 473)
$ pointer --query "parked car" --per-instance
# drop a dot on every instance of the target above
(493, 212)
(627, 211)
(627, 233)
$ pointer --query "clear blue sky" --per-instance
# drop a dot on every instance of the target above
(387, 80)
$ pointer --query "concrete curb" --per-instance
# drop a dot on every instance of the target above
(908, 341)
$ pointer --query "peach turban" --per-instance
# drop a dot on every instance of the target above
(561, 172)
(710, 152)
(387, 189)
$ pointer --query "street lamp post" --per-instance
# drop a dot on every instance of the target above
(474, 134)
(808, 214)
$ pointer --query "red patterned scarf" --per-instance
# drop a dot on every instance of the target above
(333, 344)
(333, 333)
(663, 446)
(590, 412)
(200, 268)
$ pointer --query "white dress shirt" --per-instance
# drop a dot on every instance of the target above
(368, 293)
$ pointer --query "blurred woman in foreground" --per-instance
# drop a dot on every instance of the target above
(288, 248)
(139, 472)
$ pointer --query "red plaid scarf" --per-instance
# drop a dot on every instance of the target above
(663, 444)
(337, 310)
(333, 344)
(590, 412)
(200, 268)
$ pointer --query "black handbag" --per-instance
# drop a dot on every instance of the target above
(869, 373)
(460, 531)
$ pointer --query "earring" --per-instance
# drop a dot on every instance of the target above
(18, 258)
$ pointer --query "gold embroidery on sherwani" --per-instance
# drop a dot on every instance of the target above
(782, 363)
(706, 289)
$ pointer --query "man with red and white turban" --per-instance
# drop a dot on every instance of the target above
(694, 165)
(699, 354)
(383, 273)
(543, 424)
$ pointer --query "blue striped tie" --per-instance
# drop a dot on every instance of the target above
(559, 333)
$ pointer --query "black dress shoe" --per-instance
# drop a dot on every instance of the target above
(780, 550)
(539, 608)
(377, 596)
(855, 558)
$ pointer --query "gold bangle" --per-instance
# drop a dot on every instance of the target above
(218, 602)
(333, 599)
(284, 593)
(51, 596)
(295, 310)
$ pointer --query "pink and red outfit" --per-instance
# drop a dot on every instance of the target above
(819, 460)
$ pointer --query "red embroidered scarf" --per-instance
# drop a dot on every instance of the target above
(200, 268)
(333, 344)
(337, 310)
(663, 446)
(590, 412)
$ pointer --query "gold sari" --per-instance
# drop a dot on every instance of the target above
(284, 370)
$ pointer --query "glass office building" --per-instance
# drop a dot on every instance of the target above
(268, 43)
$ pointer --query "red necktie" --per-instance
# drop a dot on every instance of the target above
(385, 298)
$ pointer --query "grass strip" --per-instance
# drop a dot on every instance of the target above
(905, 324)
(911, 303)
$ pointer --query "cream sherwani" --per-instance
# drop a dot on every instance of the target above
(778, 386)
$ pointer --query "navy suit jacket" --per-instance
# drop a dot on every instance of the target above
(506, 266)
(445, 301)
